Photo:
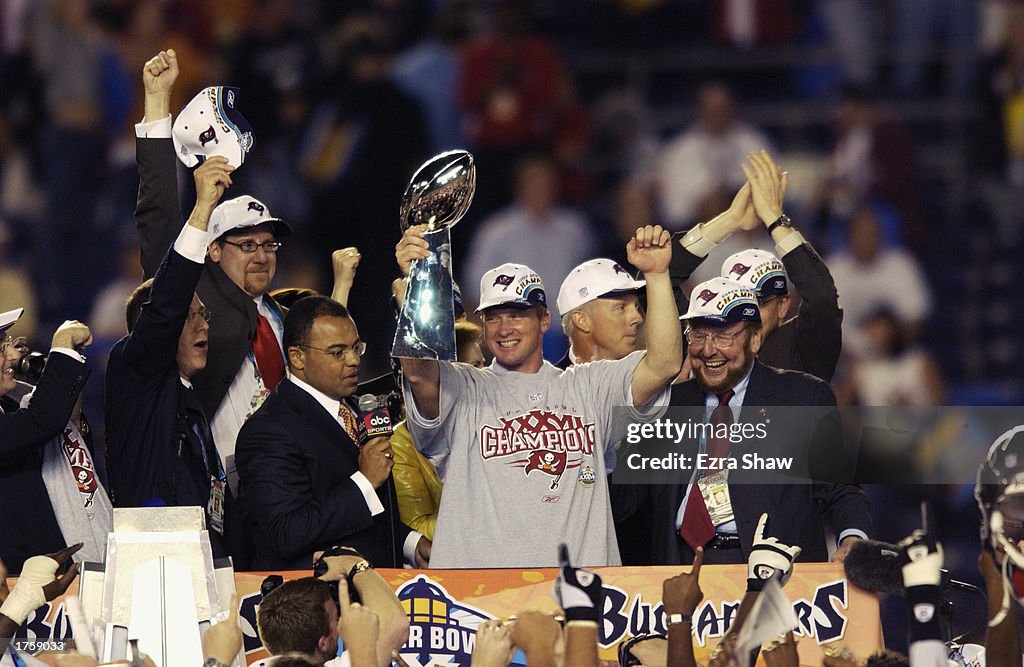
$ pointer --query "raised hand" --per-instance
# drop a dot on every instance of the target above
(768, 557)
(213, 178)
(223, 640)
(159, 73)
(782, 652)
(72, 334)
(650, 249)
(681, 594)
(767, 185)
(494, 646)
(345, 262)
(39, 583)
(358, 627)
(741, 210)
(577, 591)
(412, 246)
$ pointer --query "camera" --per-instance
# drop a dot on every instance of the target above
(320, 569)
(29, 364)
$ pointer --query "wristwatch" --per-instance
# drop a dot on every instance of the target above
(361, 566)
(214, 662)
(782, 221)
(674, 619)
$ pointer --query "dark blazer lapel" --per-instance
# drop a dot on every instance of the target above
(317, 417)
(760, 393)
(687, 393)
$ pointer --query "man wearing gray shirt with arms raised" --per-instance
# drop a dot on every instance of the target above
(525, 441)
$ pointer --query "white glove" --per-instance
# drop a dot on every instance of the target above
(922, 560)
(768, 557)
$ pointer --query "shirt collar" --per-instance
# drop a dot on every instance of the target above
(739, 392)
(332, 406)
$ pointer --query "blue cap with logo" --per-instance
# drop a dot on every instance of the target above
(723, 301)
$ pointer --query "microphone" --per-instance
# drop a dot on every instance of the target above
(875, 567)
(376, 418)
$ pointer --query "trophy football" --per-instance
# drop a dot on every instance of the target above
(438, 196)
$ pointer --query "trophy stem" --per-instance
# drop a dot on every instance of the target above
(426, 323)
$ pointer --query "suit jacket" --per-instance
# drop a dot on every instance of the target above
(28, 526)
(809, 342)
(144, 397)
(159, 220)
(295, 463)
(798, 511)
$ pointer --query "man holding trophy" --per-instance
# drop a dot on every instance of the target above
(525, 441)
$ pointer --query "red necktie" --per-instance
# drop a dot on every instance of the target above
(267, 352)
(697, 529)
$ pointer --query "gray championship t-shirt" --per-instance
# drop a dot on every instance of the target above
(525, 462)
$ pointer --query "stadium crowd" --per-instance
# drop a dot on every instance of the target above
(246, 387)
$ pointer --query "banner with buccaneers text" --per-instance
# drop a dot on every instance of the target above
(446, 606)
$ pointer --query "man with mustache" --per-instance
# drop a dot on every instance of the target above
(246, 359)
(719, 506)
(810, 341)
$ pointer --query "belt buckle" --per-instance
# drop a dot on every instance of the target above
(724, 541)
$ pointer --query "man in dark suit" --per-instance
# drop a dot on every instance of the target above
(809, 342)
(308, 481)
(246, 357)
(723, 334)
(159, 447)
(29, 526)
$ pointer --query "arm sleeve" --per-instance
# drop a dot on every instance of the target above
(157, 210)
(293, 521)
(154, 129)
(433, 437)
(609, 384)
(682, 265)
(153, 343)
(49, 409)
(819, 339)
(926, 646)
(844, 506)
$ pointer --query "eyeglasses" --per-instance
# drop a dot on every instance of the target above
(249, 247)
(340, 352)
(203, 312)
(721, 340)
(20, 344)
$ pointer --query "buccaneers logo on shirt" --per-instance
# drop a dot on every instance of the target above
(539, 441)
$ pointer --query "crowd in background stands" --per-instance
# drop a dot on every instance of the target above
(347, 99)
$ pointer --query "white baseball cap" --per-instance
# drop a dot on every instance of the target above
(592, 280)
(511, 285)
(723, 300)
(211, 125)
(759, 270)
(8, 319)
(242, 212)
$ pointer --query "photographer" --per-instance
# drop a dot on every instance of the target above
(30, 521)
